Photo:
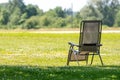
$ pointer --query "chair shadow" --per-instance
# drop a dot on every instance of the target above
(10, 72)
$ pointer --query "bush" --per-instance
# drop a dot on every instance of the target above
(117, 20)
(60, 22)
(31, 23)
(45, 21)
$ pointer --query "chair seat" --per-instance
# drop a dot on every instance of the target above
(80, 56)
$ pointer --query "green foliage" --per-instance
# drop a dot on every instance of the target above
(107, 8)
(15, 17)
(13, 4)
(51, 13)
(59, 23)
(90, 13)
(16, 13)
(117, 20)
(31, 23)
(45, 21)
(31, 10)
(50, 21)
(59, 12)
(4, 18)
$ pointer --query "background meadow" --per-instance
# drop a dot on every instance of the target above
(40, 56)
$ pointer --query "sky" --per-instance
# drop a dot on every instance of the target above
(45, 5)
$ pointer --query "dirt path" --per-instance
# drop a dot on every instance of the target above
(53, 31)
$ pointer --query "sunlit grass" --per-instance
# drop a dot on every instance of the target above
(48, 49)
(34, 48)
(40, 56)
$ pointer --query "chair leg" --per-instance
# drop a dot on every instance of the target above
(101, 60)
(68, 59)
(67, 62)
(87, 60)
(69, 55)
(92, 59)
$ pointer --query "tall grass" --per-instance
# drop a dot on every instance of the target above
(40, 56)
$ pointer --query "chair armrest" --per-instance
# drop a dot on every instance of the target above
(99, 45)
(72, 44)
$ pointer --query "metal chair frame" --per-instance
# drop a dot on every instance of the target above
(87, 48)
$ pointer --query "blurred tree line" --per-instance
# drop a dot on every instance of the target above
(15, 14)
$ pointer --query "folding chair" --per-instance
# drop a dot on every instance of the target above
(89, 42)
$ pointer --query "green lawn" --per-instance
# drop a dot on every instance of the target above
(42, 56)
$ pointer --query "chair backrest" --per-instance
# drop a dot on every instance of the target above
(90, 35)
